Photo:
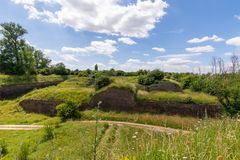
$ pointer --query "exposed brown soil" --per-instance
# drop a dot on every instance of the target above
(122, 100)
(113, 99)
(165, 86)
(40, 106)
(14, 91)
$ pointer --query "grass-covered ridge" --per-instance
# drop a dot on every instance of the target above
(24, 79)
(185, 97)
(73, 89)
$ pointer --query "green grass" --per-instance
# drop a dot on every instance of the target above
(12, 113)
(160, 120)
(72, 89)
(218, 139)
(16, 79)
(198, 98)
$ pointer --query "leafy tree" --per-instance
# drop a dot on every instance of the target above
(60, 69)
(11, 48)
(41, 61)
(102, 81)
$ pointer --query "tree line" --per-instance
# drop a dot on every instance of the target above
(18, 57)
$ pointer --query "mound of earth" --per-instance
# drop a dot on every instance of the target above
(123, 100)
(40, 106)
(114, 99)
(14, 91)
(165, 86)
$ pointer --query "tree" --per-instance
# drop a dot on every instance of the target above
(12, 48)
(60, 69)
(41, 61)
(96, 67)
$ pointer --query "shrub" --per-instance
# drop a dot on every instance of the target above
(198, 85)
(189, 100)
(145, 80)
(101, 82)
(3, 149)
(68, 110)
(48, 133)
(186, 82)
(156, 74)
(152, 77)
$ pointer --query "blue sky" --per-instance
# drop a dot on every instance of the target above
(172, 35)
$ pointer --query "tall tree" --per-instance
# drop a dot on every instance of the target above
(11, 47)
(96, 67)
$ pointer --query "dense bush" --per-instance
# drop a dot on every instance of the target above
(102, 81)
(68, 110)
(152, 77)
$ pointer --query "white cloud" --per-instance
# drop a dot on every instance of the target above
(237, 17)
(146, 54)
(132, 60)
(102, 16)
(159, 49)
(183, 55)
(205, 39)
(106, 47)
(112, 62)
(69, 58)
(234, 41)
(127, 40)
(201, 49)
(171, 64)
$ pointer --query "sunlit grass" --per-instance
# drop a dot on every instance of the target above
(16, 79)
(198, 98)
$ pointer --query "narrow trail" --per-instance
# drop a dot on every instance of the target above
(142, 126)
(119, 123)
(20, 127)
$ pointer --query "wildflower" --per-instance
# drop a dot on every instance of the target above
(134, 137)
(136, 132)
(184, 157)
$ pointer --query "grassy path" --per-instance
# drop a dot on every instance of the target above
(119, 123)
(142, 126)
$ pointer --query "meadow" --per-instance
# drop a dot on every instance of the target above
(78, 139)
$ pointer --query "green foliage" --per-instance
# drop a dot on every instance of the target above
(16, 56)
(152, 77)
(3, 149)
(68, 110)
(102, 81)
(60, 69)
(23, 152)
(48, 133)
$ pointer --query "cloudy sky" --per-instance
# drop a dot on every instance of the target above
(172, 35)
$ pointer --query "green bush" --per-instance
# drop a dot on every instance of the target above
(145, 80)
(68, 110)
(152, 77)
(3, 149)
(102, 81)
(48, 133)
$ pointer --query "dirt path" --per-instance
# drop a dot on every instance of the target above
(136, 125)
(20, 127)
(144, 126)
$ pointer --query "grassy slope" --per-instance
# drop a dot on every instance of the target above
(15, 79)
(131, 82)
(72, 89)
(74, 140)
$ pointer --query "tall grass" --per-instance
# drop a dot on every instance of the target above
(161, 120)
